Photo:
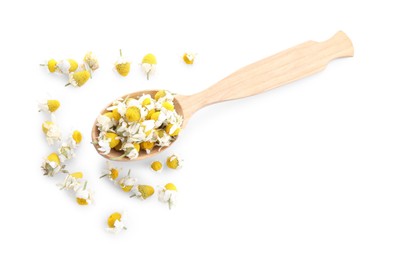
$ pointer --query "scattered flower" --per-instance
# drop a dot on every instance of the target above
(174, 162)
(67, 66)
(52, 132)
(149, 63)
(49, 106)
(52, 165)
(116, 222)
(71, 182)
(51, 65)
(156, 166)
(83, 195)
(142, 191)
(91, 62)
(79, 78)
(126, 183)
(66, 150)
(168, 194)
(111, 172)
(189, 58)
(123, 66)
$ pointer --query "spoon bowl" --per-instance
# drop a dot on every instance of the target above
(282, 68)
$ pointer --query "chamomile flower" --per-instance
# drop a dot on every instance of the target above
(71, 182)
(149, 63)
(111, 172)
(131, 150)
(174, 162)
(122, 66)
(104, 122)
(91, 61)
(142, 191)
(52, 165)
(66, 150)
(49, 106)
(127, 182)
(84, 195)
(52, 132)
(156, 166)
(51, 65)
(168, 194)
(67, 66)
(116, 222)
(79, 78)
(189, 58)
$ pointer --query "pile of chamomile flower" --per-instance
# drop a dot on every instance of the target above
(55, 163)
(131, 125)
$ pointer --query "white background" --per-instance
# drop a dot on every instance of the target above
(305, 171)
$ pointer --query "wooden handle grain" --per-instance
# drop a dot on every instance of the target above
(282, 68)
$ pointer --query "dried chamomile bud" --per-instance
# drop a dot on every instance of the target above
(71, 182)
(49, 106)
(156, 166)
(127, 182)
(189, 58)
(52, 165)
(91, 62)
(51, 65)
(77, 137)
(123, 66)
(116, 222)
(168, 194)
(174, 162)
(111, 172)
(67, 66)
(149, 63)
(142, 191)
(52, 132)
(84, 195)
(79, 78)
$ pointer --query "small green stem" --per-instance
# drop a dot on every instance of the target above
(85, 185)
(120, 52)
(67, 84)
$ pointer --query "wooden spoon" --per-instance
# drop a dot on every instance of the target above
(282, 68)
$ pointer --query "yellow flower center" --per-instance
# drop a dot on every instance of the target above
(156, 166)
(116, 115)
(113, 139)
(168, 106)
(73, 65)
(77, 175)
(146, 191)
(170, 186)
(81, 201)
(113, 173)
(159, 94)
(123, 68)
(126, 188)
(53, 157)
(147, 145)
(77, 136)
(174, 133)
(52, 65)
(155, 116)
(137, 146)
(150, 59)
(146, 102)
(172, 162)
(188, 59)
(112, 219)
(109, 115)
(46, 126)
(53, 105)
(81, 77)
(132, 114)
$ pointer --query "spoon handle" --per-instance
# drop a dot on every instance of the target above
(282, 68)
